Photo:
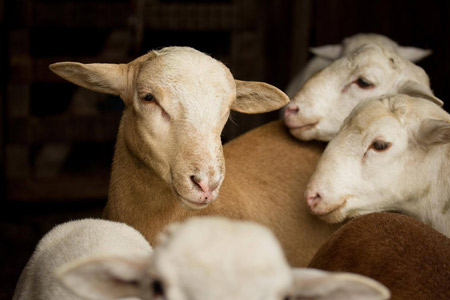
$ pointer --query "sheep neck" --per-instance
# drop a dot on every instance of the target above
(433, 205)
(137, 193)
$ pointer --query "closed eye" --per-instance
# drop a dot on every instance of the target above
(363, 83)
(150, 99)
(380, 146)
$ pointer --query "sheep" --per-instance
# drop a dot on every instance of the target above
(325, 55)
(177, 103)
(267, 170)
(372, 69)
(407, 256)
(71, 241)
(391, 154)
(211, 258)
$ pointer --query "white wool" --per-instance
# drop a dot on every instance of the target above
(327, 98)
(72, 241)
(409, 174)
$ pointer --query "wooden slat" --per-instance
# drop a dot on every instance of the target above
(17, 161)
(299, 36)
(2, 11)
(198, 16)
(18, 100)
(62, 188)
(82, 14)
(98, 128)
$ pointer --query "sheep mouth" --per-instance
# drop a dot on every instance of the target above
(334, 215)
(189, 204)
(186, 203)
(302, 128)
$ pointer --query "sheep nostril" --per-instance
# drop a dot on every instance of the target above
(196, 181)
(313, 200)
(291, 110)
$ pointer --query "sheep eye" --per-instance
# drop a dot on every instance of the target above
(364, 83)
(380, 145)
(157, 287)
(148, 97)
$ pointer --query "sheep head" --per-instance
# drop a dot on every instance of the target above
(177, 103)
(318, 110)
(384, 158)
(213, 258)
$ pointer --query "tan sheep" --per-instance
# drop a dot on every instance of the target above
(168, 149)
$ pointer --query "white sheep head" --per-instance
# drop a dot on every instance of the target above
(384, 158)
(177, 103)
(351, 43)
(318, 110)
(212, 258)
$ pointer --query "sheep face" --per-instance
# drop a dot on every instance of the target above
(215, 258)
(177, 103)
(318, 110)
(178, 106)
(379, 161)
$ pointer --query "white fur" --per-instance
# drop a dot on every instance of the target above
(73, 241)
(411, 176)
(213, 258)
(328, 97)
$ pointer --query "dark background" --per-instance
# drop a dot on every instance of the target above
(56, 140)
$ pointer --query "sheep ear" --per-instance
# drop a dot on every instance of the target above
(321, 285)
(104, 278)
(432, 132)
(257, 97)
(413, 54)
(104, 78)
(415, 89)
(331, 52)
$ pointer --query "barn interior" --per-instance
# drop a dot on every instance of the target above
(57, 139)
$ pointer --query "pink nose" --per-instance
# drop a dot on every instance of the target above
(313, 199)
(291, 109)
(206, 187)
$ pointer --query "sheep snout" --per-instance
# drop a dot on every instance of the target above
(291, 110)
(313, 199)
(205, 187)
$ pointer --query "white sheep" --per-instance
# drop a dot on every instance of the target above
(158, 152)
(371, 65)
(392, 154)
(71, 241)
(212, 258)
(325, 55)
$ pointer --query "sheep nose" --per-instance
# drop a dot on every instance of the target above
(205, 186)
(291, 109)
(313, 199)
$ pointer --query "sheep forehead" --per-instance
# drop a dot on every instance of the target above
(356, 41)
(369, 54)
(217, 248)
(372, 110)
(190, 77)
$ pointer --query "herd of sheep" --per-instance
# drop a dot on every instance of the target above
(179, 228)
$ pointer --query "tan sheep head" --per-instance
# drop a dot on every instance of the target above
(177, 103)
